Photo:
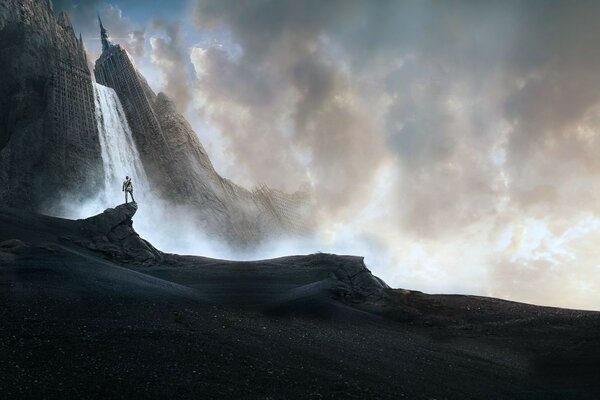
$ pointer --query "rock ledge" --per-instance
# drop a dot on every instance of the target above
(112, 233)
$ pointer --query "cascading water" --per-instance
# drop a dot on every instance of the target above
(120, 158)
(119, 153)
(167, 226)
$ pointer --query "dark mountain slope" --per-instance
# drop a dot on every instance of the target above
(49, 145)
(87, 313)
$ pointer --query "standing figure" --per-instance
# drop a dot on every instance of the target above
(128, 188)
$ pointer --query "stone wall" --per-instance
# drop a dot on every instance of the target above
(49, 148)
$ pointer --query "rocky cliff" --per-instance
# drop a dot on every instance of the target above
(112, 234)
(49, 145)
(50, 151)
(235, 213)
(180, 170)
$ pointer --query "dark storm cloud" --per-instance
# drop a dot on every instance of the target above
(314, 64)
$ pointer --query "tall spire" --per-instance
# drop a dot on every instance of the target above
(106, 43)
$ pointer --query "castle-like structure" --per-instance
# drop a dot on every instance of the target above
(50, 151)
(49, 145)
(71, 88)
(115, 69)
(179, 168)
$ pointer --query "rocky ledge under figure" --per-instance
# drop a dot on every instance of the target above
(112, 233)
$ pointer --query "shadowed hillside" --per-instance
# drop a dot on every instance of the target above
(90, 309)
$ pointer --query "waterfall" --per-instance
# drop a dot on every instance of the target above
(166, 226)
(120, 157)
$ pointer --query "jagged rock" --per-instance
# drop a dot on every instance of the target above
(49, 143)
(111, 219)
(112, 233)
(352, 280)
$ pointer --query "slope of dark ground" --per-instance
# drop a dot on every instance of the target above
(90, 310)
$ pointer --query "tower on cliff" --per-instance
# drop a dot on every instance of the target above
(114, 68)
(178, 167)
(106, 43)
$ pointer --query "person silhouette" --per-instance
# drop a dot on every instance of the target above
(128, 188)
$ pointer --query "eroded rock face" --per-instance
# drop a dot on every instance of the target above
(49, 145)
(238, 216)
(352, 281)
(112, 233)
(180, 171)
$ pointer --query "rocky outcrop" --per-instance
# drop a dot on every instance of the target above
(354, 282)
(112, 234)
(49, 144)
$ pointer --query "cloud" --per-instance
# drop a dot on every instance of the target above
(433, 131)
(84, 17)
(286, 93)
(487, 112)
(171, 57)
(137, 42)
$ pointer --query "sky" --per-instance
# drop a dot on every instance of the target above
(455, 144)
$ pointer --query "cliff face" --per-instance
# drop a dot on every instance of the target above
(48, 138)
(224, 208)
(49, 142)
(180, 170)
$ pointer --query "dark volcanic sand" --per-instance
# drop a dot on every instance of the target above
(74, 324)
